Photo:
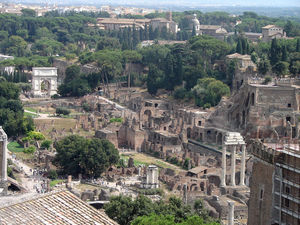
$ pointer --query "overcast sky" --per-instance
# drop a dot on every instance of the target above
(186, 3)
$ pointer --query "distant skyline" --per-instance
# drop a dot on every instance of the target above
(158, 3)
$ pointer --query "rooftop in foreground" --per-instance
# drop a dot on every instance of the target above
(54, 208)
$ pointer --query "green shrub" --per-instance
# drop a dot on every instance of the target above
(52, 175)
(86, 107)
(206, 105)
(179, 93)
(29, 150)
(116, 120)
(33, 135)
(267, 80)
(46, 144)
(55, 96)
(62, 111)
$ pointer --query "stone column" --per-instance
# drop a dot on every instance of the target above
(233, 165)
(223, 175)
(4, 156)
(243, 165)
(230, 213)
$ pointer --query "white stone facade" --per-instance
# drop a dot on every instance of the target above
(44, 81)
(152, 177)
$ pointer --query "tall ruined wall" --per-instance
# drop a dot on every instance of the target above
(259, 111)
(260, 203)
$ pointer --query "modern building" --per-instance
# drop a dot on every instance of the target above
(275, 184)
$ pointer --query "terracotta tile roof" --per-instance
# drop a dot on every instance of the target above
(54, 208)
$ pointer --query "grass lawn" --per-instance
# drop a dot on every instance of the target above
(15, 147)
(140, 158)
(30, 114)
(55, 182)
(30, 109)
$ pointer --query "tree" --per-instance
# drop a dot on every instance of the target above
(62, 111)
(28, 12)
(11, 110)
(52, 174)
(275, 52)
(46, 144)
(283, 53)
(239, 46)
(298, 45)
(209, 90)
(72, 72)
(263, 65)
(288, 28)
(90, 157)
(108, 43)
(154, 79)
(154, 219)
(280, 68)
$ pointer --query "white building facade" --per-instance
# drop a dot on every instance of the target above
(44, 81)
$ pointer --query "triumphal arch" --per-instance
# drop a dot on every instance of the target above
(44, 81)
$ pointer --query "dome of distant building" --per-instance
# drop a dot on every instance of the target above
(195, 21)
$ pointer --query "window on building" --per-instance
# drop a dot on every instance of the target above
(287, 190)
(199, 123)
(289, 105)
(287, 203)
(288, 119)
(261, 195)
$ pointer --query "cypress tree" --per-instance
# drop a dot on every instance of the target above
(298, 45)
(239, 46)
(274, 52)
(194, 31)
(284, 53)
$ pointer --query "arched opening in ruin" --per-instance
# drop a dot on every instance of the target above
(45, 86)
(194, 187)
(247, 100)
(201, 137)
(219, 138)
(243, 117)
(147, 117)
(202, 186)
(189, 132)
(252, 99)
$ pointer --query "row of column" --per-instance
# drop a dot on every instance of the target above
(233, 164)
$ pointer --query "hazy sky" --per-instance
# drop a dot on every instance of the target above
(186, 3)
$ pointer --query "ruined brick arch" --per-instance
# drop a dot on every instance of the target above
(194, 187)
(145, 115)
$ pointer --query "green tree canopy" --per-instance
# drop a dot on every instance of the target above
(90, 157)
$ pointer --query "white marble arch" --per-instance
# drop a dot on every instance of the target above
(44, 81)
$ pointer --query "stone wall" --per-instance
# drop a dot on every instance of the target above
(260, 203)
